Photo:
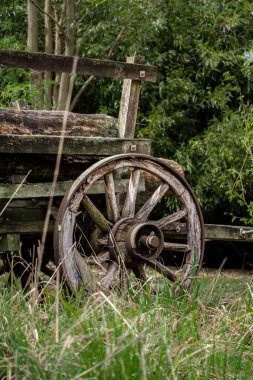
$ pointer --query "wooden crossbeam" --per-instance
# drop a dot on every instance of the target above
(229, 233)
(86, 66)
(43, 190)
(91, 146)
(29, 228)
(213, 232)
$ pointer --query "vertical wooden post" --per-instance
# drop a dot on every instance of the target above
(129, 103)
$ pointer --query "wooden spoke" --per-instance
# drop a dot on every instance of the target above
(98, 259)
(123, 278)
(108, 206)
(162, 269)
(139, 272)
(177, 247)
(83, 267)
(162, 223)
(111, 196)
(112, 271)
(146, 209)
(129, 206)
(95, 214)
(103, 240)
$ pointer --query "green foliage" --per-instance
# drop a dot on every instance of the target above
(204, 53)
(21, 89)
(219, 165)
(13, 25)
(238, 181)
(196, 113)
(202, 46)
(136, 23)
(14, 83)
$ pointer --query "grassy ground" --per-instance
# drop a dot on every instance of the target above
(206, 334)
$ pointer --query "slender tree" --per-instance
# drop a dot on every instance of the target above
(32, 46)
(32, 28)
(69, 51)
(48, 50)
(58, 26)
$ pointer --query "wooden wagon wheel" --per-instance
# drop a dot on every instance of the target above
(99, 241)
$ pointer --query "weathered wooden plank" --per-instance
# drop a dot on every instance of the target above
(59, 63)
(14, 167)
(28, 228)
(224, 232)
(95, 146)
(212, 232)
(28, 122)
(24, 212)
(129, 103)
(42, 190)
(33, 190)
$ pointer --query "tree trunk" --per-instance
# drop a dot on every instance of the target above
(32, 35)
(32, 46)
(57, 48)
(48, 50)
(69, 51)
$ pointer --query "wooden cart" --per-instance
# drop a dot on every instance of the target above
(81, 191)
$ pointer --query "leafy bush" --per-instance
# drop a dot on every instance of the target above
(219, 165)
(197, 110)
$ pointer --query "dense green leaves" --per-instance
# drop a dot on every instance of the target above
(213, 162)
(205, 83)
(196, 111)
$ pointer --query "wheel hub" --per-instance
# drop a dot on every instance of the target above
(144, 240)
(136, 240)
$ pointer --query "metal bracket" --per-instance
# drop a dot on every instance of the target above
(245, 233)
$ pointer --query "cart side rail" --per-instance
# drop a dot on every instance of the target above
(134, 71)
(86, 66)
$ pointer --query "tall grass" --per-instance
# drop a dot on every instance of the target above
(206, 334)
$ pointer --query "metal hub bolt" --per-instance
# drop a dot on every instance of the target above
(152, 241)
